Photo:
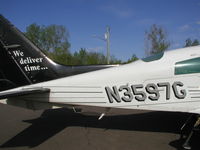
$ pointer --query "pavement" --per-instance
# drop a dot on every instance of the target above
(60, 129)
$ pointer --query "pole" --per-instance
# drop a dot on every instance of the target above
(107, 37)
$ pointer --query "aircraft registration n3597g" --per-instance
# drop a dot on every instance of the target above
(167, 81)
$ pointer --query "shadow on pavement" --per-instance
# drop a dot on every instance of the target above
(52, 122)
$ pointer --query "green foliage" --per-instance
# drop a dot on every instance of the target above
(189, 42)
(53, 40)
(114, 60)
(156, 40)
(83, 57)
(60, 56)
(34, 33)
(132, 59)
(48, 38)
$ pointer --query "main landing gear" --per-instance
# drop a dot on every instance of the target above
(192, 123)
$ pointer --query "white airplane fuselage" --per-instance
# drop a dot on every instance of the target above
(143, 85)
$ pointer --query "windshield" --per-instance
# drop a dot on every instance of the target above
(153, 57)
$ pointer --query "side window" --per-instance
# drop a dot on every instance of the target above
(188, 66)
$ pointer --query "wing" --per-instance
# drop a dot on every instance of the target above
(23, 92)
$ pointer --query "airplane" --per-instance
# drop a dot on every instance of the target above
(167, 81)
(19, 56)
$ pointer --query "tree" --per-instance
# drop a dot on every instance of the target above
(80, 57)
(96, 58)
(195, 42)
(156, 40)
(132, 59)
(59, 55)
(189, 42)
(35, 33)
(83, 57)
(52, 39)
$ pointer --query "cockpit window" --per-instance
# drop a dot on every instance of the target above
(188, 66)
(153, 57)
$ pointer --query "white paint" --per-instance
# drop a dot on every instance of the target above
(88, 89)
(28, 63)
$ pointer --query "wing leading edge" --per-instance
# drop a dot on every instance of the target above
(23, 92)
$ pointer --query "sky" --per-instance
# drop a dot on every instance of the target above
(127, 19)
